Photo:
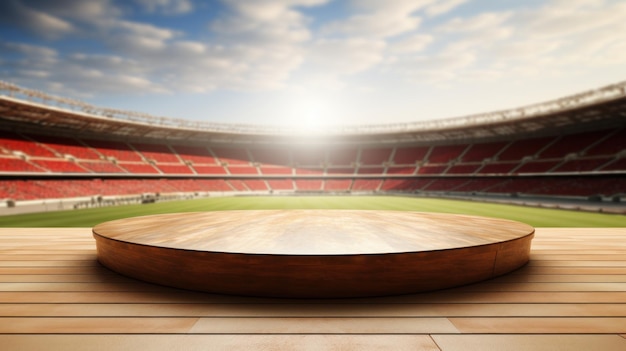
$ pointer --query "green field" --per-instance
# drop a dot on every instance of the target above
(536, 217)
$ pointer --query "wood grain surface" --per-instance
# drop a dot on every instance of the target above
(55, 296)
(313, 253)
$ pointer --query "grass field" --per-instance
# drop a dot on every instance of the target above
(536, 217)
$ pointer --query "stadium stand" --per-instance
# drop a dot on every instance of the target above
(581, 153)
(375, 156)
(269, 170)
(410, 155)
(11, 142)
(309, 157)
(309, 184)
(332, 185)
(446, 153)
(195, 154)
(114, 150)
(156, 153)
(231, 156)
(342, 156)
(366, 185)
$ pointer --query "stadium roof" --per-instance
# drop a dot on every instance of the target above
(594, 109)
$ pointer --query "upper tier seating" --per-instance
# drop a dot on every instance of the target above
(342, 156)
(583, 164)
(432, 169)
(410, 155)
(271, 156)
(617, 165)
(276, 170)
(340, 171)
(174, 169)
(242, 169)
(498, 168)
(101, 167)
(195, 154)
(401, 170)
(12, 142)
(231, 156)
(537, 166)
(309, 157)
(217, 170)
(463, 168)
(614, 143)
(66, 146)
(139, 168)
(571, 144)
(446, 153)
(156, 152)
(371, 170)
(113, 149)
(309, 171)
(12, 164)
(59, 166)
(519, 149)
(481, 151)
(375, 156)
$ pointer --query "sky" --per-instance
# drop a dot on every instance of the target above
(312, 63)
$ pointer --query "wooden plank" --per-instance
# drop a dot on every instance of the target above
(310, 310)
(75, 287)
(579, 263)
(46, 257)
(613, 325)
(156, 342)
(51, 263)
(323, 326)
(566, 286)
(64, 278)
(554, 278)
(20, 325)
(532, 342)
(191, 297)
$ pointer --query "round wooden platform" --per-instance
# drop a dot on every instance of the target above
(313, 253)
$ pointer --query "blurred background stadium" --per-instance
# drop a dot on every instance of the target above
(63, 154)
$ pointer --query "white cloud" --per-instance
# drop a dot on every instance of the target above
(482, 22)
(379, 19)
(441, 7)
(345, 56)
(29, 50)
(167, 7)
(35, 21)
(412, 44)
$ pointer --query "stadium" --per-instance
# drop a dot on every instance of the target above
(71, 155)
(63, 154)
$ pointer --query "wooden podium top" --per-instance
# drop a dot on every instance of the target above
(312, 232)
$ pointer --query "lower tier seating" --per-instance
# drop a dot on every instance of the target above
(582, 186)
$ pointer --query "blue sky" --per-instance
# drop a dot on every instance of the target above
(312, 62)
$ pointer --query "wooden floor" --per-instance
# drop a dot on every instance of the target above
(55, 296)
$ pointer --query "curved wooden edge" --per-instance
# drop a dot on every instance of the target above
(313, 276)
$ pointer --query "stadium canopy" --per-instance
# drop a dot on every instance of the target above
(595, 109)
